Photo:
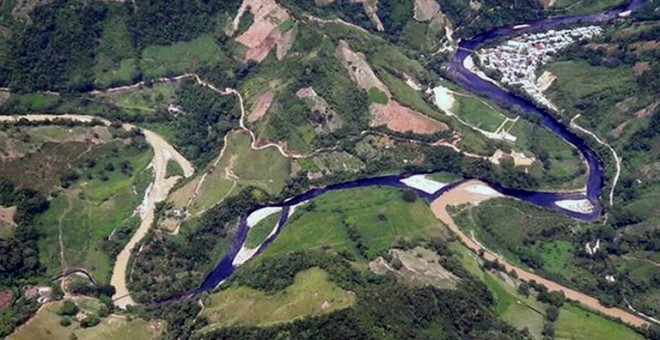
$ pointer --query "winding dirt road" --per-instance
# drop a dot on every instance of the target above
(157, 192)
(465, 193)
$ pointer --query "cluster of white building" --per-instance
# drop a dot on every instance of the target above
(519, 58)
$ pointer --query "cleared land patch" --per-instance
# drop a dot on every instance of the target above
(310, 294)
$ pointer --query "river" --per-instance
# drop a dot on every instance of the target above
(472, 82)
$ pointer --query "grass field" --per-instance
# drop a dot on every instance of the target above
(158, 61)
(576, 323)
(173, 169)
(586, 6)
(577, 79)
(46, 325)
(378, 214)
(477, 114)
(241, 166)
(310, 294)
(260, 232)
(377, 96)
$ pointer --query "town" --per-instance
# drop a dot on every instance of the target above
(518, 59)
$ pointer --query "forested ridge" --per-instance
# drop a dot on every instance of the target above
(67, 36)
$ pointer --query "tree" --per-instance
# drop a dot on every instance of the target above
(523, 289)
(409, 195)
(552, 313)
(549, 329)
(396, 263)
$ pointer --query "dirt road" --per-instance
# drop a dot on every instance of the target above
(463, 194)
(156, 192)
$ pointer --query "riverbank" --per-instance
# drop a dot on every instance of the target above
(465, 194)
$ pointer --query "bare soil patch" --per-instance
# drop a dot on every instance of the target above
(547, 3)
(641, 67)
(358, 69)
(425, 10)
(181, 196)
(263, 34)
(261, 106)
(420, 267)
(371, 10)
(324, 118)
(7, 216)
(402, 119)
(394, 115)
(545, 80)
(645, 45)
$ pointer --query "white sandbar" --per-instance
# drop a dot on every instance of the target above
(420, 182)
(581, 206)
(258, 215)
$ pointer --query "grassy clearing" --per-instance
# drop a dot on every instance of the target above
(144, 101)
(377, 96)
(260, 232)
(46, 325)
(173, 169)
(477, 114)
(576, 323)
(158, 61)
(311, 294)
(265, 169)
(379, 215)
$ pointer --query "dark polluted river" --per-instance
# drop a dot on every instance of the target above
(461, 75)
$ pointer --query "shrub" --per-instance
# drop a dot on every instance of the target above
(68, 308)
(65, 321)
(90, 321)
